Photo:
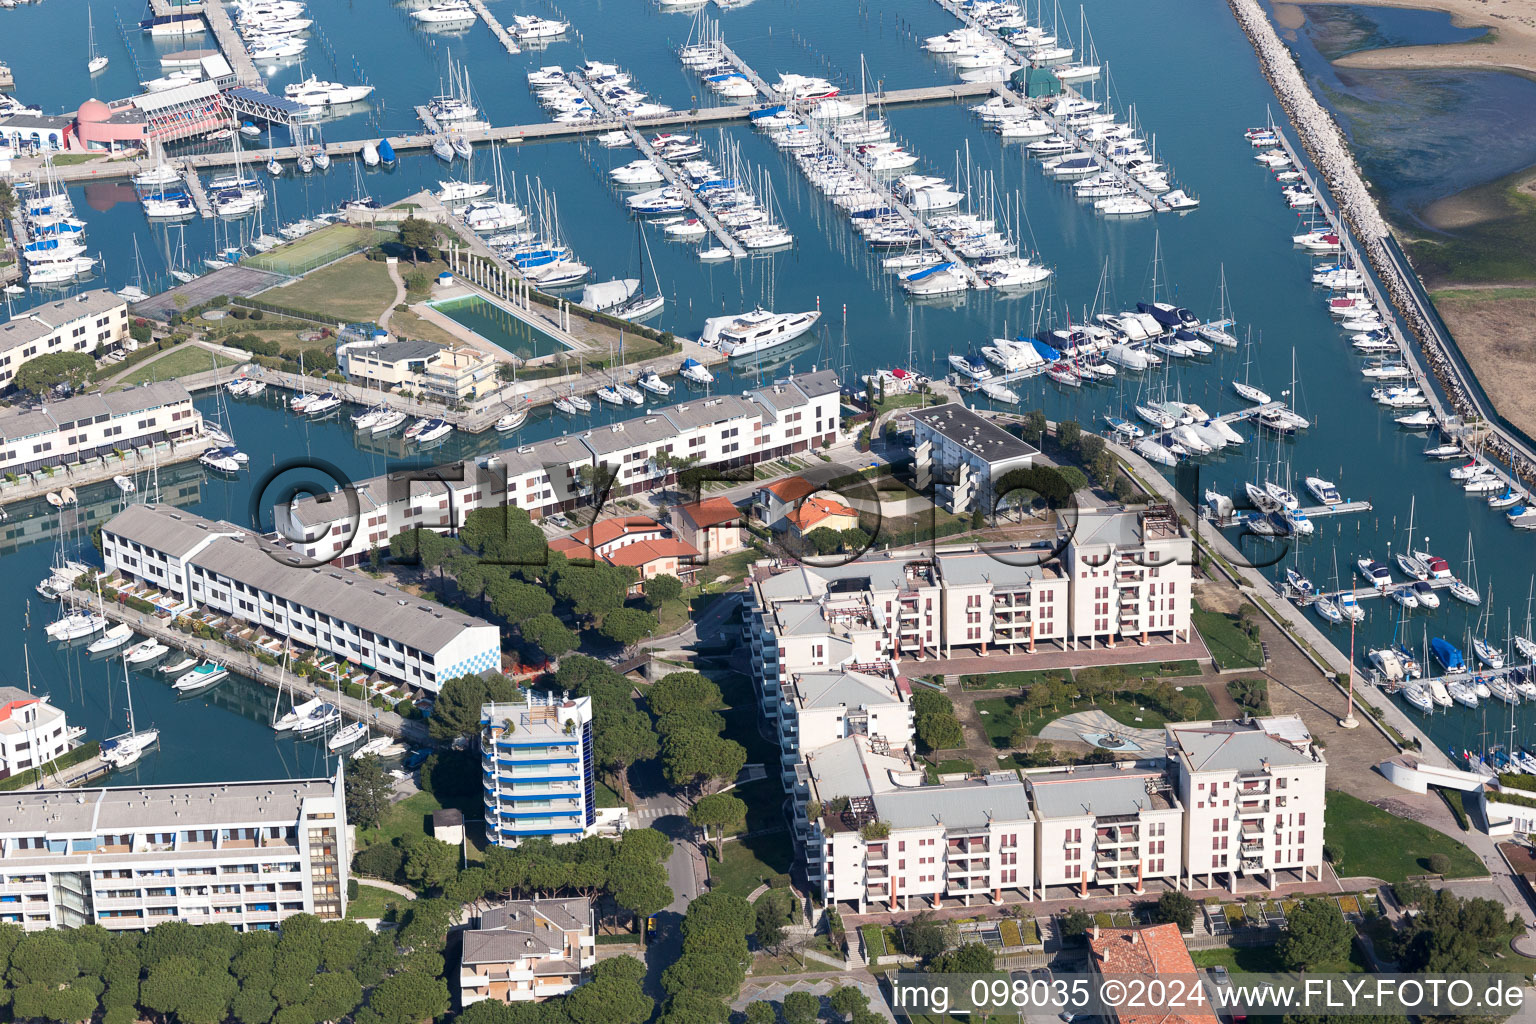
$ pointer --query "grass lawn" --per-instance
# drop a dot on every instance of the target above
(1374, 843)
(314, 248)
(179, 362)
(1244, 960)
(1136, 711)
(1229, 645)
(1012, 680)
(70, 159)
(950, 767)
(908, 401)
(606, 797)
(408, 817)
(751, 862)
(733, 567)
(372, 902)
(353, 289)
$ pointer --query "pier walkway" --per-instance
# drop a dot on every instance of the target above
(231, 44)
(247, 664)
(197, 192)
(1043, 112)
(497, 29)
(547, 131)
(835, 147)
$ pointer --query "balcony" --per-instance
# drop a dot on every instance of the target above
(962, 849)
(1251, 829)
(877, 853)
(1252, 849)
(1118, 838)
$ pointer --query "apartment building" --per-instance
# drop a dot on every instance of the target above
(1131, 574)
(32, 731)
(1007, 601)
(875, 837)
(87, 426)
(557, 474)
(235, 572)
(538, 771)
(1109, 828)
(76, 324)
(712, 526)
(823, 707)
(1255, 793)
(527, 951)
(965, 456)
(248, 854)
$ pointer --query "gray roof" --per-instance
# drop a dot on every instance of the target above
(707, 411)
(49, 417)
(982, 567)
(398, 351)
(843, 689)
(1000, 796)
(1096, 790)
(796, 584)
(333, 506)
(125, 809)
(821, 382)
(778, 396)
(630, 434)
(976, 434)
(91, 303)
(37, 121)
(21, 330)
(838, 769)
(1112, 526)
(166, 528)
(565, 915)
(498, 947)
(340, 593)
(1235, 746)
(558, 451)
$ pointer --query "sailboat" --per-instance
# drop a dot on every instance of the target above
(1525, 645)
(1463, 591)
(1484, 651)
(97, 61)
(1245, 389)
(124, 750)
(135, 292)
(641, 304)
(1410, 563)
(1217, 331)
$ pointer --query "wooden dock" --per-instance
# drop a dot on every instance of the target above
(247, 664)
(197, 192)
(230, 42)
(548, 131)
(1043, 112)
(835, 147)
(433, 128)
(497, 29)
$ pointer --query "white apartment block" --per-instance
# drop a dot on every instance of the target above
(248, 854)
(538, 771)
(1255, 793)
(32, 731)
(965, 456)
(76, 324)
(527, 951)
(823, 707)
(875, 837)
(548, 476)
(230, 570)
(86, 426)
(1131, 574)
(1107, 827)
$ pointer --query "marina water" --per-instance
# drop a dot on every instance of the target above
(1194, 82)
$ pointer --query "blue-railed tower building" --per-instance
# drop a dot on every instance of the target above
(537, 769)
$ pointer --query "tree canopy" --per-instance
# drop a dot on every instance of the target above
(1317, 937)
(41, 374)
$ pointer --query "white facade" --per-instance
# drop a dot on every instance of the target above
(1256, 796)
(538, 772)
(823, 707)
(966, 456)
(248, 854)
(542, 478)
(76, 324)
(1106, 827)
(1131, 573)
(229, 570)
(528, 951)
(875, 837)
(85, 426)
(32, 731)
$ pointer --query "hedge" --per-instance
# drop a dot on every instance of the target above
(84, 752)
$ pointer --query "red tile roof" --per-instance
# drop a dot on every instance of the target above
(12, 705)
(647, 551)
(791, 488)
(606, 531)
(710, 512)
(1156, 950)
(572, 549)
(816, 510)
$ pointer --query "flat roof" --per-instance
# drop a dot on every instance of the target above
(975, 804)
(1251, 745)
(65, 812)
(976, 434)
(1098, 790)
(844, 689)
(982, 567)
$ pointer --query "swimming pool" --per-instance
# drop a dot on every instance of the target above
(499, 326)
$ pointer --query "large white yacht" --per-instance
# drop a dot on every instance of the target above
(758, 331)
